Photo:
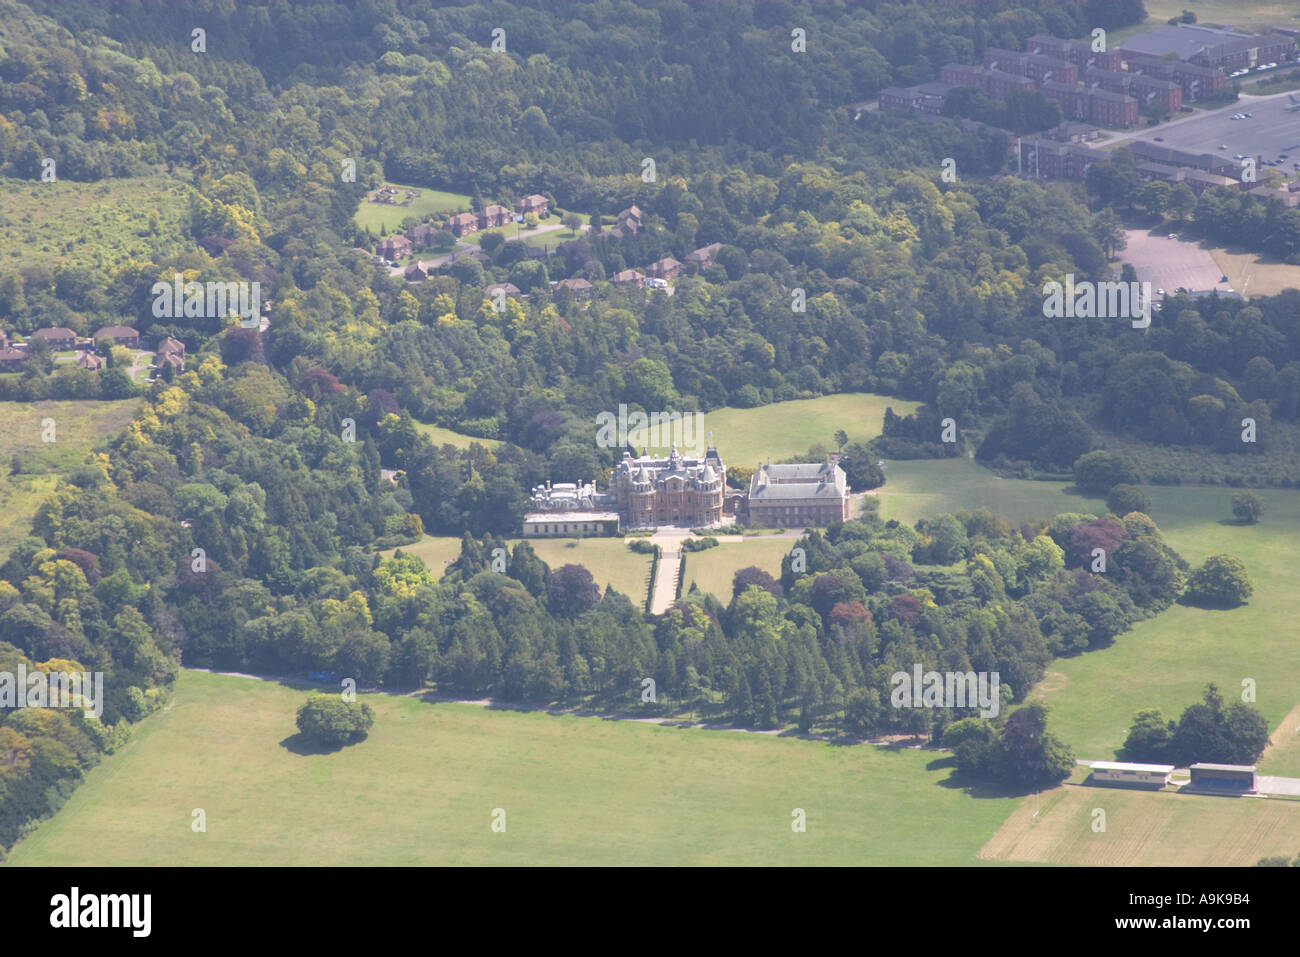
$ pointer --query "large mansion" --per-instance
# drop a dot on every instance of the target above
(675, 490)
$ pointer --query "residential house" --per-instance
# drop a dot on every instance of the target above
(493, 215)
(172, 352)
(58, 338)
(666, 268)
(423, 234)
(702, 258)
(121, 336)
(394, 247)
(580, 288)
(463, 223)
(508, 288)
(535, 203)
(91, 361)
(11, 360)
(416, 272)
(629, 276)
(630, 220)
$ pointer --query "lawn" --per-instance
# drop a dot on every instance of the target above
(1164, 662)
(785, 429)
(79, 426)
(609, 560)
(1147, 828)
(436, 552)
(918, 488)
(91, 225)
(440, 436)
(714, 569)
(430, 202)
(422, 788)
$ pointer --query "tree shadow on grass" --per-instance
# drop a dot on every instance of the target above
(301, 744)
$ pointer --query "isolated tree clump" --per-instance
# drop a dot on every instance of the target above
(1220, 583)
(328, 719)
(1125, 498)
(1098, 472)
(1247, 507)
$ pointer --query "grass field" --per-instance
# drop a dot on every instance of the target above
(609, 560)
(1254, 275)
(575, 791)
(783, 429)
(1247, 14)
(1147, 828)
(78, 427)
(440, 436)
(435, 551)
(714, 569)
(430, 202)
(90, 225)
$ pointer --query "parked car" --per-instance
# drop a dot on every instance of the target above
(1160, 139)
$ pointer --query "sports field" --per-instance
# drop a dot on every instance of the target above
(574, 790)
(1147, 828)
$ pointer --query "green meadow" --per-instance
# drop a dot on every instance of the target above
(423, 787)
(440, 436)
(744, 437)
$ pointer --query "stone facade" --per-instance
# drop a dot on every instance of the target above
(652, 491)
(800, 495)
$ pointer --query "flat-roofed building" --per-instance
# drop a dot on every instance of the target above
(1126, 774)
(569, 524)
(1229, 778)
